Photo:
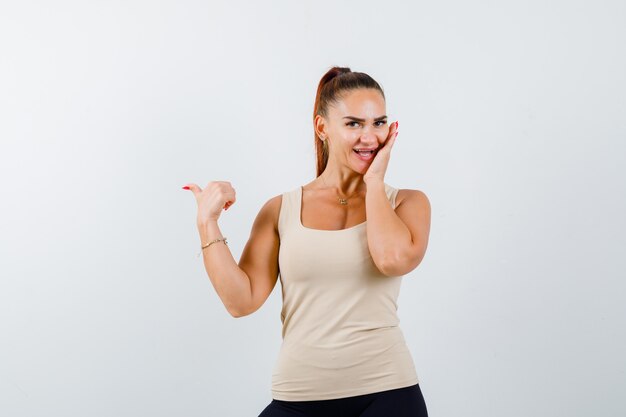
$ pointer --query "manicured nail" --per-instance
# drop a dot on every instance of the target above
(185, 188)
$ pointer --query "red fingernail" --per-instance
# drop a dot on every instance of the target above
(185, 188)
(397, 124)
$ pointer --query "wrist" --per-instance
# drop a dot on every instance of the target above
(373, 182)
(203, 223)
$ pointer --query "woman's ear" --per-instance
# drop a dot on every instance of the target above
(320, 126)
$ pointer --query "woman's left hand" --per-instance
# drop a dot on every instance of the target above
(378, 167)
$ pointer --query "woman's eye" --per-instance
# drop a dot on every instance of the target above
(382, 122)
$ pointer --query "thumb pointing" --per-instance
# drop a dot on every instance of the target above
(193, 187)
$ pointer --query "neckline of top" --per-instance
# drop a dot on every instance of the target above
(302, 226)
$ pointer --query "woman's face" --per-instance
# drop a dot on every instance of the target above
(357, 121)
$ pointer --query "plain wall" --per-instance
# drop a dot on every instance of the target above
(512, 121)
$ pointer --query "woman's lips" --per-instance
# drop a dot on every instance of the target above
(365, 157)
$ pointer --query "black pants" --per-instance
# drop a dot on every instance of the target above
(400, 402)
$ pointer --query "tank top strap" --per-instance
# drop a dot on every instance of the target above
(289, 214)
(392, 193)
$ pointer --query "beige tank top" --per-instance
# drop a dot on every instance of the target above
(340, 333)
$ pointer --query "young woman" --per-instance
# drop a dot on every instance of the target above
(342, 243)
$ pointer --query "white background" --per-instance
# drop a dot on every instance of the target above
(512, 121)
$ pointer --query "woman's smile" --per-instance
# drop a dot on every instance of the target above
(365, 155)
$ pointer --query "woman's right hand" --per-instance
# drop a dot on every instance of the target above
(217, 195)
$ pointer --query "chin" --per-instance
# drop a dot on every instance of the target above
(360, 169)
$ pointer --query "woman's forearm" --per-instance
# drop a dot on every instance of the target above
(387, 235)
(230, 282)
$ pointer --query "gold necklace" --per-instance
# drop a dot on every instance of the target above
(343, 201)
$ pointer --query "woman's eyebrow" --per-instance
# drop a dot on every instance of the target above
(362, 120)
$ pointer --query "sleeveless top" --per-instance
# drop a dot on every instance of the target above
(340, 333)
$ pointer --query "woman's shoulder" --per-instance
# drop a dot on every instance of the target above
(406, 194)
(270, 211)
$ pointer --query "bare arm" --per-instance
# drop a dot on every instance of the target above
(244, 287)
(397, 239)
(230, 282)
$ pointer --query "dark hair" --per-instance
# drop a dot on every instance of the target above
(335, 82)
